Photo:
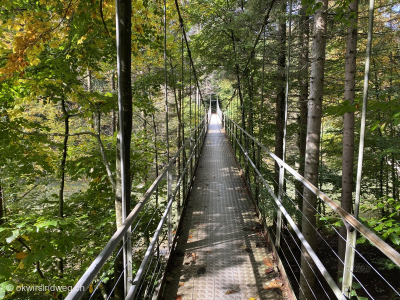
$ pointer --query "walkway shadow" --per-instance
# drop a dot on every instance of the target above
(220, 252)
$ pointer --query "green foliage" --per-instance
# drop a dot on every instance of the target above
(341, 109)
(54, 67)
(384, 220)
(385, 264)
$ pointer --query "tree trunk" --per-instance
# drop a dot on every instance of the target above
(63, 161)
(237, 71)
(307, 279)
(1, 206)
(348, 129)
(280, 93)
(124, 127)
(178, 102)
(62, 177)
(251, 114)
(303, 97)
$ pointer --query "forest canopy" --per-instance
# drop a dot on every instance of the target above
(59, 176)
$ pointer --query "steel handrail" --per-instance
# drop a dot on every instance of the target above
(87, 278)
(139, 275)
(347, 218)
(331, 282)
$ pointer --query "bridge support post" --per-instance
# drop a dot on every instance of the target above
(184, 188)
(169, 193)
(349, 261)
(257, 179)
(279, 212)
(191, 162)
(351, 232)
(236, 135)
(240, 153)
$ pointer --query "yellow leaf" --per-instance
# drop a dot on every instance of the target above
(54, 44)
(35, 61)
(21, 255)
(21, 265)
(81, 40)
(91, 288)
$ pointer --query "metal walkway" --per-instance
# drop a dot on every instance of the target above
(221, 252)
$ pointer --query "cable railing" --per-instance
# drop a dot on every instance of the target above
(278, 203)
(149, 218)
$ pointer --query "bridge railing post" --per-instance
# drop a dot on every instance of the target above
(279, 212)
(349, 261)
(191, 162)
(241, 142)
(184, 161)
(257, 180)
(230, 126)
(236, 135)
(169, 193)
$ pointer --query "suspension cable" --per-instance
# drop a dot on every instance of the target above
(188, 50)
(262, 90)
(166, 77)
(364, 108)
(253, 49)
(287, 80)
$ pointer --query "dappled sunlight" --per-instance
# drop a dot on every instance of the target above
(216, 252)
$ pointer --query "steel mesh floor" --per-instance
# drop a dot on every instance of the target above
(220, 253)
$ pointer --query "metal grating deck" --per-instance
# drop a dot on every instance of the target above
(220, 252)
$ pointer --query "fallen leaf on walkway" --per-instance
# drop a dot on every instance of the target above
(259, 245)
(252, 299)
(230, 292)
(190, 236)
(173, 232)
(201, 270)
(258, 226)
(268, 262)
(178, 297)
(278, 291)
(181, 284)
(269, 270)
(194, 256)
(274, 284)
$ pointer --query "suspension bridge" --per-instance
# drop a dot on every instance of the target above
(217, 244)
(231, 229)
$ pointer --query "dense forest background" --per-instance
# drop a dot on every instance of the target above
(58, 112)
